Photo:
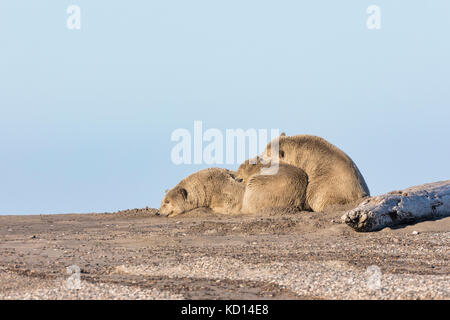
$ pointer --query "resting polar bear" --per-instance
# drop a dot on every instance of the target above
(333, 178)
(284, 187)
(249, 168)
(220, 190)
(213, 188)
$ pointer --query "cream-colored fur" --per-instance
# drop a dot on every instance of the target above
(249, 168)
(213, 188)
(286, 188)
(223, 191)
(333, 178)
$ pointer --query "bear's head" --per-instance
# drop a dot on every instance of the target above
(174, 202)
(284, 150)
(249, 168)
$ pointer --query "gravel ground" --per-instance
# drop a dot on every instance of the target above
(135, 254)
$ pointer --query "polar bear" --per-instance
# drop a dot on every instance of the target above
(223, 192)
(213, 188)
(284, 188)
(249, 168)
(333, 178)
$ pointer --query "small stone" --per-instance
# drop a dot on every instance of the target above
(415, 232)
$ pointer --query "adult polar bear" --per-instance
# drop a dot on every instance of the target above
(333, 178)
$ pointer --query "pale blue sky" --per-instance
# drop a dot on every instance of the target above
(86, 115)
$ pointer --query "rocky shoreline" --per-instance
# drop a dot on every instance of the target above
(275, 255)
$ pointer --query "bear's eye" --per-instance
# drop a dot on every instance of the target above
(167, 201)
(281, 154)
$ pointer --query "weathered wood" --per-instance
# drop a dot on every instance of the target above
(424, 202)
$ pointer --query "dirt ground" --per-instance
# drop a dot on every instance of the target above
(274, 255)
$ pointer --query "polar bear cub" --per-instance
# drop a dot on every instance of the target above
(213, 188)
(285, 187)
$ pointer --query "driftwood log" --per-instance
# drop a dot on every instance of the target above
(424, 202)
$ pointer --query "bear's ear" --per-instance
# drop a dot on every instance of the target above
(283, 134)
(183, 193)
(167, 190)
